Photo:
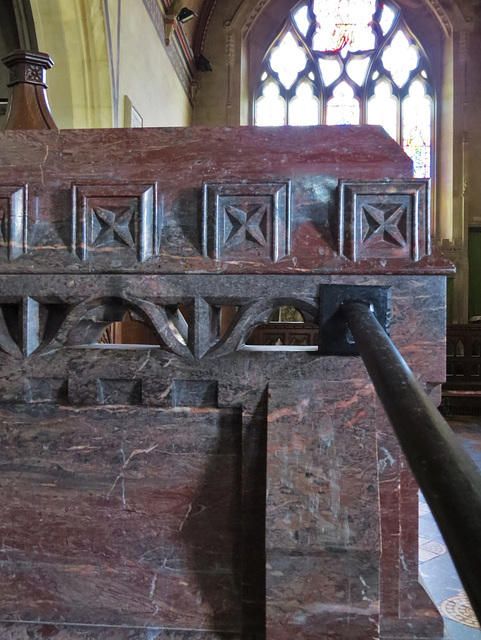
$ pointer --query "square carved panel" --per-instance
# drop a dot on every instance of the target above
(250, 220)
(389, 219)
(116, 219)
(13, 220)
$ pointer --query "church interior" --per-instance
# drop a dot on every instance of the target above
(105, 76)
(188, 449)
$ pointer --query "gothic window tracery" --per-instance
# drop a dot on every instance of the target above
(350, 62)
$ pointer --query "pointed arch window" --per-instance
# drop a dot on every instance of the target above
(350, 62)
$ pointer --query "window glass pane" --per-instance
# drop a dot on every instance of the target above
(346, 41)
(387, 18)
(304, 107)
(383, 108)
(344, 24)
(302, 20)
(270, 107)
(357, 69)
(416, 129)
(288, 60)
(343, 108)
(330, 70)
(400, 58)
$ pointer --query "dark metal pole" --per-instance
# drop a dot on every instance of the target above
(448, 477)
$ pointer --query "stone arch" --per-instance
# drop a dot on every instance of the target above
(86, 321)
(251, 315)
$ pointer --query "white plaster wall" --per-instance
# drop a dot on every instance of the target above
(104, 50)
(146, 74)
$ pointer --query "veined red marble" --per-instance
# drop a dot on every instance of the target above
(191, 489)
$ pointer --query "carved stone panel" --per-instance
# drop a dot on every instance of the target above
(115, 217)
(250, 219)
(384, 220)
(13, 220)
(188, 485)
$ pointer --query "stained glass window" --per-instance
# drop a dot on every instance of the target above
(400, 58)
(288, 59)
(343, 107)
(383, 108)
(343, 26)
(271, 108)
(349, 62)
(416, 128)
(304, 107)
(330, 70)
(357, 69)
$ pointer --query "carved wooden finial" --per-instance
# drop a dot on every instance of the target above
(28, 105)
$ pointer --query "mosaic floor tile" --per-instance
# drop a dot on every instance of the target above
(423, 509)
(429, 529)
(438, 548)
(425, 556)
(456, 631)
(437, 572)
(459, 609)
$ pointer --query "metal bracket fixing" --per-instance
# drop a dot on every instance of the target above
(335, 338)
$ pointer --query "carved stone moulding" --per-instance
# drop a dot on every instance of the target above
(384, 219)
(13, 220)
(126, 218)
(247, 220)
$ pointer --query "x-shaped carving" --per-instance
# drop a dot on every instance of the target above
(385, 222)
(113, 226)
(246, 226)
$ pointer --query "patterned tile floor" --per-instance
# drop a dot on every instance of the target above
(436, 569)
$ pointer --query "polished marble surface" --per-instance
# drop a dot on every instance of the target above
(436, 568)
(134, 481)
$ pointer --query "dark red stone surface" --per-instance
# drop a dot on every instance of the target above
(120, 513)
(193, 489)
(322, 525)
(179, 162)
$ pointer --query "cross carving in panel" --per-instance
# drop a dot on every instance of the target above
(109, 227)
(384, 222)
(127, 217)
(241, 225)
(384, 219)
(247, 217)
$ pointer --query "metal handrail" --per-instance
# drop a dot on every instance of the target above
(447, 476)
